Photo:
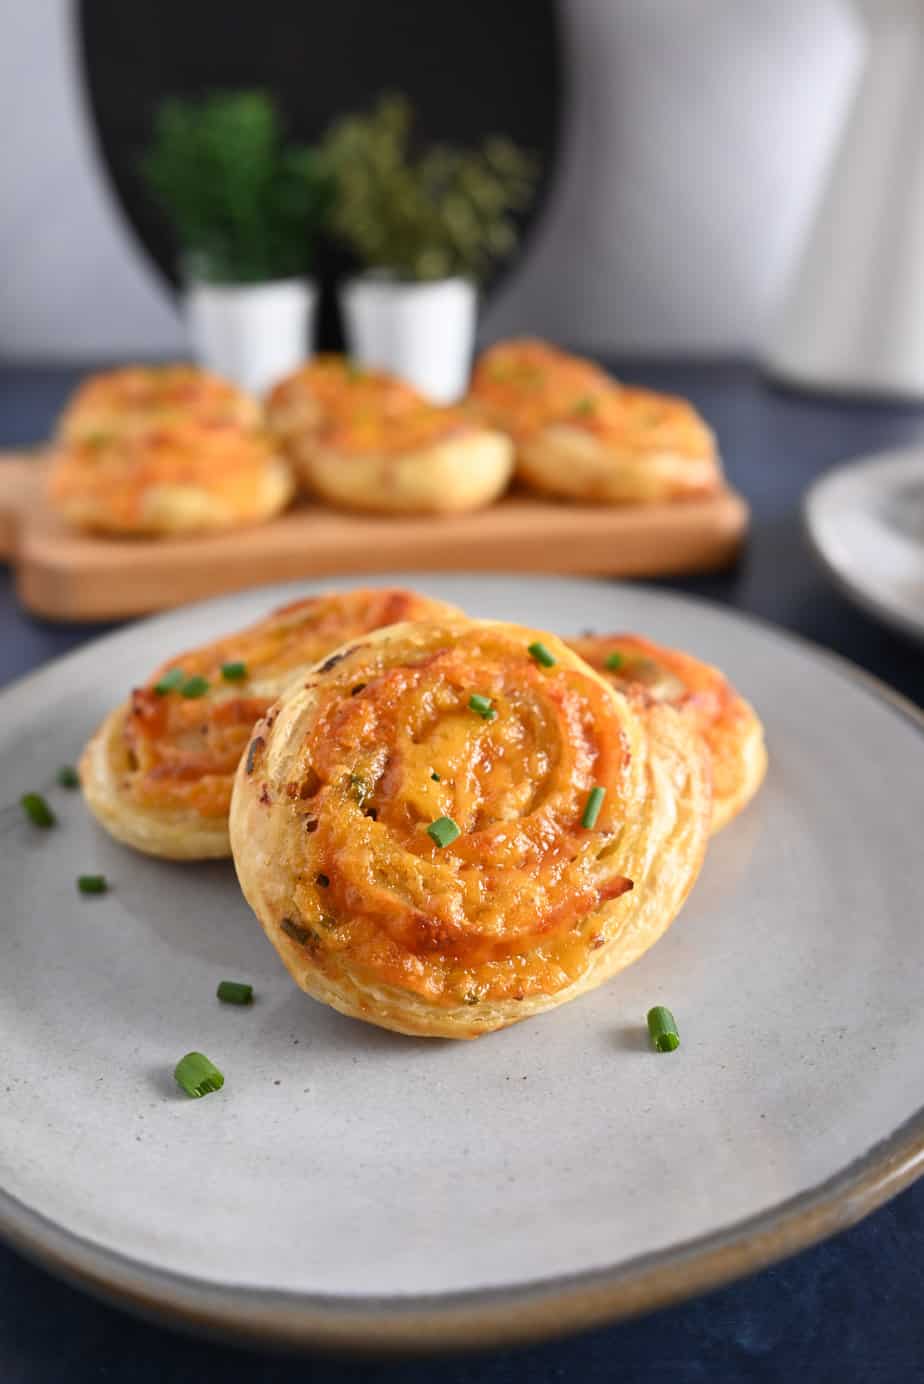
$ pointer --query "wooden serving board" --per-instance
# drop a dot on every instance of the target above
(67, 575)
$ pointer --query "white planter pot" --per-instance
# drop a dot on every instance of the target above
(252, 334)
(423, 332)
(854, 313)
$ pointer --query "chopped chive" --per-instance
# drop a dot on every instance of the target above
(169, 682)
(92, 884)
(443, 831)
(662, 1029)
(361, 790)
(67, 777)
(353, 371)
(234, 672)
(197, 1075)
(234, 992)
(323, 881)
(585, 406)
(194, 687)
(435, 777)
(481, 706)
(37, 810)
(614, 661)
(541, 654)
(592, 810)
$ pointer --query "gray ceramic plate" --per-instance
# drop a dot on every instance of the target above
(866, 523)
(352, 1187)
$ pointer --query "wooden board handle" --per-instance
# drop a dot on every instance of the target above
(19, 491)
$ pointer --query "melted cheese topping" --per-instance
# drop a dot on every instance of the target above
(140, 397)
(641, 422)
(121, 481)
(508, 909)
(359, 412)
(182, 752)
(650, 672)
(524, 387)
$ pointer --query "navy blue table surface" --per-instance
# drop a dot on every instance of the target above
(847, 1310)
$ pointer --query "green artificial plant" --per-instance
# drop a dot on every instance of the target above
(244, 206)
(444, 212)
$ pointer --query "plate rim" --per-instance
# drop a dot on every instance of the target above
(483, 1317)
(843, 578)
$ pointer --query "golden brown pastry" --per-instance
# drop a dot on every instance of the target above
(158, 772)
(582, 436)
(523, 384)
(180, 478)
(300, 408)
(363, 439)
(139, 397)
(651, 674)
(417, 827)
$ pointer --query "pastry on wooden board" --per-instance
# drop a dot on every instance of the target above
(581, 435)
(175, 479)
(363, 439)
(137, 397)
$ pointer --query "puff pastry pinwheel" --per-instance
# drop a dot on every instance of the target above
(139, 397)
(581, 435)
(650, 675)
(363, 439)
(419, 828)
(158, 772)
(179, 478)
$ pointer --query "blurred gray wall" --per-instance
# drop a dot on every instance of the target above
(696, 137)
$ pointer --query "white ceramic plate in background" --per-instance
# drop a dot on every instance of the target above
(350, 1186)
(866, 522)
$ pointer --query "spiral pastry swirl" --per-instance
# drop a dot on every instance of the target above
(367, 440)
(582, 435)
(411, 827)
(137, 398)
(651, 674)
(181, 478)
(158, 772)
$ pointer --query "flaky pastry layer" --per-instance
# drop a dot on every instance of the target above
(335, 801)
